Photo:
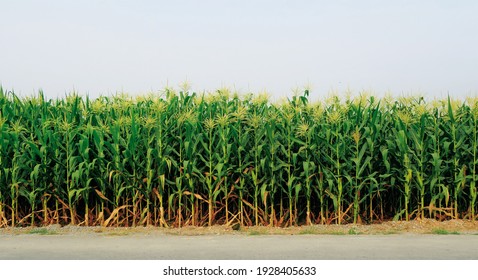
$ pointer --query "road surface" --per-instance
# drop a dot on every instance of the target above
(227, 247)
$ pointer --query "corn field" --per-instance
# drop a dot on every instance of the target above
(185, 159)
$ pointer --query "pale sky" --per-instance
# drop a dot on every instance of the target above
(105, 46)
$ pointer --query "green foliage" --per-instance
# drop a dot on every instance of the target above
(42, 231)
(444, 231)
(187, 159)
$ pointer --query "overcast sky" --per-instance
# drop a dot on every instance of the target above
(106, 46)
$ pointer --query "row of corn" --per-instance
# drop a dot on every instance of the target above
(181, 158)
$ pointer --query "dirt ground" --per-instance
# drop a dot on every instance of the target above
(426, 226)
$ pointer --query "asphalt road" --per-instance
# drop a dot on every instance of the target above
(226, 247)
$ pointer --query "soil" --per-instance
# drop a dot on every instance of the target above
(425, 226)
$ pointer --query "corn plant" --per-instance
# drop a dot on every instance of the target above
(179, 158)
